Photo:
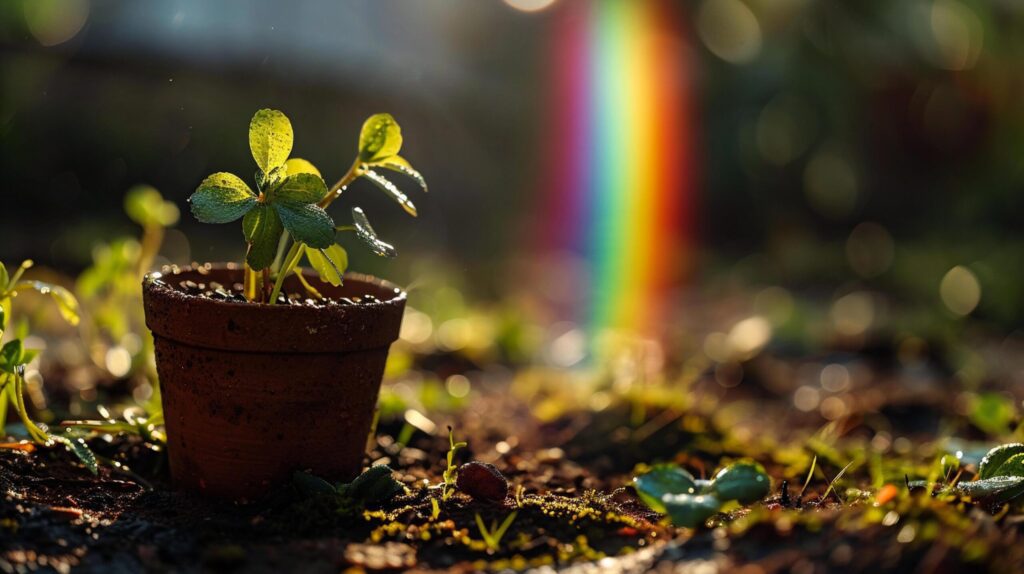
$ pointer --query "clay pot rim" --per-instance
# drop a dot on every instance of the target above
(400, 295)
(237, 326)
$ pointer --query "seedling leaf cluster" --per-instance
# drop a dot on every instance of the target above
(688, 502)
(14, 357)
(290, 199)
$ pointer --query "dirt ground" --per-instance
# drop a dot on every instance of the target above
(569, 468)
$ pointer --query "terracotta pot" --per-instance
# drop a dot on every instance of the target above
(253, 392)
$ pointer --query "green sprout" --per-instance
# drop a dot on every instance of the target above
(373, 487)
(492, 536)
(451, 472)
(14, 357)
(290, 201)
(1000, 478)
(688, 502)
(1000, 475)
(134, 421)
(109, 288)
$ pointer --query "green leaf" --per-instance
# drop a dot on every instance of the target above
(380, 138)
(376, 485)
(298, 165)
(145, 206)
(662, 480)
(270, 139)
(262, 228)
(299, 188)
(267, 181)
(994, 460)
(399, 164)
(369, 236)
(222, 198)
(745, 482)
(690, 510)
(330, 263)
(77, 447)
(391, 190)
(4, 278)
(3, 320)
(997, 489)
(307, 223)
(11, 356)
(66, 302)
(1013, 467)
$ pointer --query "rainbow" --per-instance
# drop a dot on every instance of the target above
(620, 174)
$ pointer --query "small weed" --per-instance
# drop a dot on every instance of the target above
(133, 421)
(492, 536)
(451, 472)
(14, 357)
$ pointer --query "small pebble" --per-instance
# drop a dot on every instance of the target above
(482, 481)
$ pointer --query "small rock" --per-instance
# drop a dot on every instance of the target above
(482, 481)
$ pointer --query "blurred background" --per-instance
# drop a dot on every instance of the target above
(722, 174)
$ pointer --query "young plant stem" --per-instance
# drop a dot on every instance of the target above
(152, 239)
(249, 286)
(287, 265)
(35, 432)
(339, 186)
(292, 258)
(17, 275)
(309, 288)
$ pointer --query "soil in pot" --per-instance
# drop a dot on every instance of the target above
(253, 392)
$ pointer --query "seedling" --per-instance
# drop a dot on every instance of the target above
(492, 536)
(373, 487)
(1000, 475)
(1000, 478)
(14, 357)
(133, 421)
(109, 288)
(670, 490)
(290, 201)
(451, 472)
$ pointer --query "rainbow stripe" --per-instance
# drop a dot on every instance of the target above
(621, 170)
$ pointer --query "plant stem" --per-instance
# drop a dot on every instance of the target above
(152, 239)
(312, 290)
(265, 284)
(287, 265)
(250, 283)
(335, 192)
(292, 258)
(280, 251)
(35, 432)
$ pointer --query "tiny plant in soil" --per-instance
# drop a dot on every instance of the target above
(688, 502)
(14, 357)
(290, 201)
(375, 486)
(1000, 478)
(451, 472)
(492, 536)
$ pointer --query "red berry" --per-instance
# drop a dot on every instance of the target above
(482, 481)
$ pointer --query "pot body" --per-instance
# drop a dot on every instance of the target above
(253, 392)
